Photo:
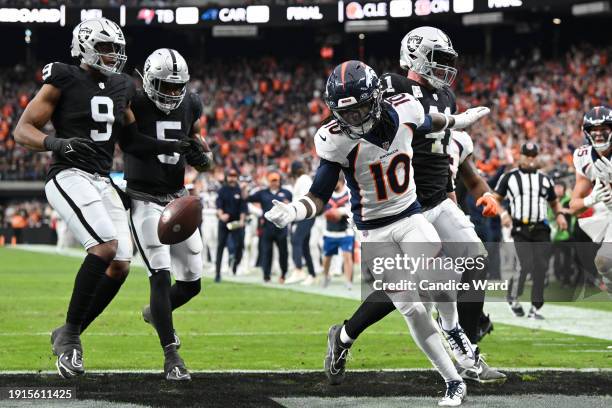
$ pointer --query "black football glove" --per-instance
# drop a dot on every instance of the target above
(75, 149)
(173, 146)
(196, 156)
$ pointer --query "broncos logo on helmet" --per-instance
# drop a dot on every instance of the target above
(353, 95)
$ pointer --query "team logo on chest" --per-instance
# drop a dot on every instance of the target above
(101, 85)
(385, 145)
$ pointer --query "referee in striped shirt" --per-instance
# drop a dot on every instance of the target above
(529, 191)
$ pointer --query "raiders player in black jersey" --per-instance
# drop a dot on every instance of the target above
(89, 108)
(165, 110)
(429, 57)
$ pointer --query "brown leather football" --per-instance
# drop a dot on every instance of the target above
(180, 218)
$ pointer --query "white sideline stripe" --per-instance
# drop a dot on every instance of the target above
(310, 371)
(561, 319)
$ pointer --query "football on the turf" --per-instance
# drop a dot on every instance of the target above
(180, 218)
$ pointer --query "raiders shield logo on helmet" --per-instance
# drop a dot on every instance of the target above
(414, 42)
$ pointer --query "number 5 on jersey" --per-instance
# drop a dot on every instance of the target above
(161, 127)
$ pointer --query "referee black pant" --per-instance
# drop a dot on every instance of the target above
(532, 243)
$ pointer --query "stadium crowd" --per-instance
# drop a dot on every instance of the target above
(261, 115)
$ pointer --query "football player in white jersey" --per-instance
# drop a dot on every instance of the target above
(370, 141)
(428, 55)
(594, 183)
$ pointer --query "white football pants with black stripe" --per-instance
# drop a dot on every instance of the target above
(184, 259)
(92, 209)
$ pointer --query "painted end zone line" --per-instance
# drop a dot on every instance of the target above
(310, 371)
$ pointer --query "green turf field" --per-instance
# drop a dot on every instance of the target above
(233, 326)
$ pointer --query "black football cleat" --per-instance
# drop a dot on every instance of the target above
(69, 353)
(485, 326)
(335, 360)
(174, 366)
(148, 318)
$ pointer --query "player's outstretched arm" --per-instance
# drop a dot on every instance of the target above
(478, 188)
(35, 116)
(312, 203)
(437, 122)
(133, 142)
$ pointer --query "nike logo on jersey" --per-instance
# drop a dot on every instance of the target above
(323, 138)
(69, 149)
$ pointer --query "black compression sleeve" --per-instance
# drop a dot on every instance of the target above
(133, 142)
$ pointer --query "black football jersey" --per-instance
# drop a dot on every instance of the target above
(160, 174)
(432, 173)
(88, 109)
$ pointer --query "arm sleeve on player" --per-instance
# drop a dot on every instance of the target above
(325, 180)
(244, 208)
(502, 185)
(133, 142)
(57, 74)
(426, 127)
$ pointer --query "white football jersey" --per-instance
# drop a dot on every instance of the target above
(378, 172)
(460, 147)
(583, 162)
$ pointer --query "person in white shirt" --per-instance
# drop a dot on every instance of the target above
(300, 236)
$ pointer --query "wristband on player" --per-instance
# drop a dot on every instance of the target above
(51, 143)
(588, 201)
(301, 209)
(446, 121)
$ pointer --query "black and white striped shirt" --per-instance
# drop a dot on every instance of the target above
(528, 194)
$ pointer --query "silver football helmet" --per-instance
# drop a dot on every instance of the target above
(100, 44)
(165, 78)
(429, 52)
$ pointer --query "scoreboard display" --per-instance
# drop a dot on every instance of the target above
(264, 15)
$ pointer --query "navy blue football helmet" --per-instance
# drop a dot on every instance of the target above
(597, 127)
(354, 97)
